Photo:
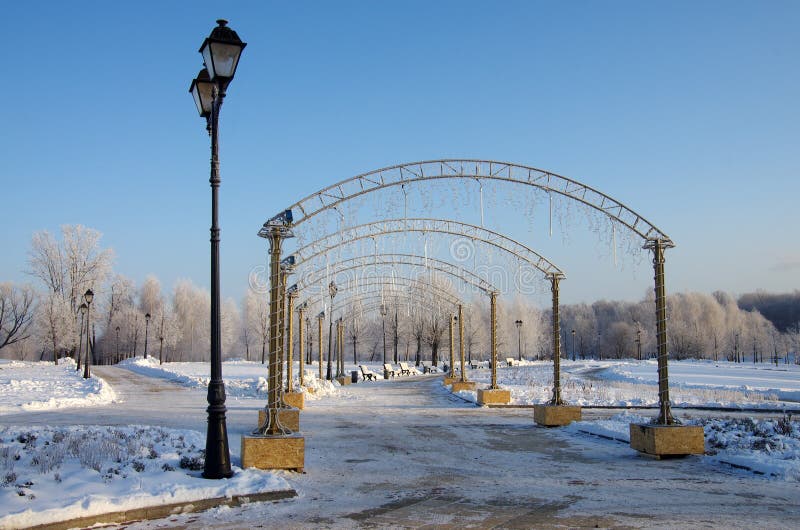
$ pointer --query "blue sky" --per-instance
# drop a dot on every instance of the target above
(685, 111)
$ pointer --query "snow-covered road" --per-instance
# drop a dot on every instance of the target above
(408, 454)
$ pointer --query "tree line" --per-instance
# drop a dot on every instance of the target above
(42, 321)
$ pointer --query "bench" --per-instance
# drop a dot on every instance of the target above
(427, 368)
(510, 361)
(473, 365)
(388, 370)
(404, 369)
(366, 374)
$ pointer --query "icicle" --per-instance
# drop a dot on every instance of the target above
(614, 241)
(550, 199)
(481, 193)
(426, 252)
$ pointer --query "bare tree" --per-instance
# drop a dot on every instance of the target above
(16, 313)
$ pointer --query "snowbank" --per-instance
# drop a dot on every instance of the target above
(26, 386)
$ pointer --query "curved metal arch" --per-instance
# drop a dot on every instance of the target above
(424, 225)
(389, 259)
(404, 298)
(403, 174)
(386, 282)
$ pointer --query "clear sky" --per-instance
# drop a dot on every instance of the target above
(685, 111)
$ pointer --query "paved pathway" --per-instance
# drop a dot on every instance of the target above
(406, 454)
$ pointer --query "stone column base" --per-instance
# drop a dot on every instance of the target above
(289, 418)
(295, 399)
(667, 440)
(458, 386)
(343, 380)
(450, 380)
(274, 452)
(494, 396)
(556, 415)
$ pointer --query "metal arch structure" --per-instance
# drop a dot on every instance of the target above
(426, 225)
(391, 259)
(391, 282)
(429, 170)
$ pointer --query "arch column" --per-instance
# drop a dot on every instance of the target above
(452, 348)
(461, 342)
(320, 318)
(493, 335)
(658, 246)
(301, 311)
(556, 413)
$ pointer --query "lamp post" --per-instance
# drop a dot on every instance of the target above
(82, 308)
(310, 339)
(383, 319)
(88, 296)
(320, 318)
(146, 330)
(518, 323)
(332, 289)
(638, 344)
(221, 51)
(573, 345)
(117, 343)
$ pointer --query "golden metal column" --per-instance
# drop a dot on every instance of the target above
(554, 279)
(302, 353)
(658, 246)
(452, 347)
(461, 342)
(292, 295)
(273, 389)
(493, 331)
(282, 325)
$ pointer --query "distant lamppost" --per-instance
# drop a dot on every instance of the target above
(221, 51)
(82, 308)
(310, 340)
(383, 319)
(638, 344)
(332, 290)
(118, 344)
(146, 330)
(573, 345)
(88, 296)
(518, 323)
(320, 318)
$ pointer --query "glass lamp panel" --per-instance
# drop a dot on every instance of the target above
(223, 56)
(202, 91)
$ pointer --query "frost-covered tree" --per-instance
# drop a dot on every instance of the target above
(55, 325)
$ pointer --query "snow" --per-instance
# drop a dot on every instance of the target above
(630, 383)
(54, 472)
(59, 473)
(28, 386)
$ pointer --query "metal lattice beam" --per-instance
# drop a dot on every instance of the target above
(390, 260)
(416, 172)
(386, 283)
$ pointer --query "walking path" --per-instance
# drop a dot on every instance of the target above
(406, 454)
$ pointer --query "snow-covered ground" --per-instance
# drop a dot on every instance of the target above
(630, 383)
(43, 386)
(57, 473)
(51, 473)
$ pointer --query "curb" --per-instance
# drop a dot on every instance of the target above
(165, 510)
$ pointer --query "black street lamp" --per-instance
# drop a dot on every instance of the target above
(221, 51)
(573, 344)
(332, 290)
(118, 359)
(88, 296)
(518, 323)
(146, 328)
(82, 308)
(383, 318)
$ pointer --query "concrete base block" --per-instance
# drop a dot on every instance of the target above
(458, 386)
(450, 380)
(274, 452)
(494, 396)
(289, 418)
(556, 415)
(343, 380)
(295, 399)
(667, 440)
